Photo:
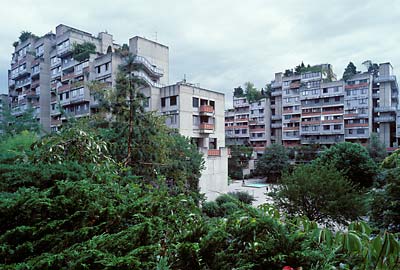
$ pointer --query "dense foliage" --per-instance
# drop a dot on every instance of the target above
(273, 163)
(320, 193)
(376, 148)
(82, 52)
(240, 156)
(349, 71)
(352, 160)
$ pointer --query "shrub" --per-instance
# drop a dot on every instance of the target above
(242, 196)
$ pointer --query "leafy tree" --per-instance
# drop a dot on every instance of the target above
(273, 162)
(288, 72)
(352, 160)
(376, 148)
(238, 92)
(306, 153)
(25, 35)
(320, 193)
(240, 156)
(82, 52)
(252, 94)
(16, 147)
(350, 71)
(392, 161)
(385, 204)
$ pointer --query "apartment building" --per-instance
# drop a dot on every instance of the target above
(45, 75)
(4, 104)
(198, 113)
(313, 107)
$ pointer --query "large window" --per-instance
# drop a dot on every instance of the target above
(172, 100)
(163, 102)
(195, 102)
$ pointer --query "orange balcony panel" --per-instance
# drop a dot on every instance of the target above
(206, 109)
(350, 115)
(207, 126)
(332, 112)
(64, 87)
(305, 123)
(332, 121)
(310, 113)
(214, 152)
(290, 128)
(68, 76)
(257, 129)
(356, 125)
(356, 85)
(294, 119)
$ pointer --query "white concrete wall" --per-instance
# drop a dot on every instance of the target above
(214, 178)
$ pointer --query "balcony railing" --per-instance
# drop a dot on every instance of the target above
(384, 119)
(276, 125)
(206, 126)
(276, 117)
(206, 109)
(356, 125)
(385, 109)
(390, 78)
(276, 93)
(214, 152)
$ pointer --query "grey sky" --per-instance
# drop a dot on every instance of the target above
(222, 44)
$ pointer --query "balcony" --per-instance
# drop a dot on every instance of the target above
(291, 128)
(257, 129)
(332, 112)
(55, 122)
(64, 88)
(375, 95)
(206, 128)
(353, 86)
(295, 85)
(153, 70)
(355, 125)
(384, 119)
(206, 109)
(390, 78)
(214, 152)
(146, 79)
(332, 121)
(276, 117)
(276, 93)
(385, 109)
(276, 125)
(64, 50)
(310, 123)
(68, 64)
(242, 119)
(258, 149)
(67, 76)
(311, 113)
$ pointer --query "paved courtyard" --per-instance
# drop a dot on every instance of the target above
(257, 192)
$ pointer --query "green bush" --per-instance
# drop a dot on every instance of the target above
(242, 196)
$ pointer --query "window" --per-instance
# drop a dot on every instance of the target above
(172, 101)
(163, 102)
(74, 93)
(326, 100)
(244, 131)
(325, 90)
(66, 95)
(81, 91)
(107, 65)
(337, 127)
(237, 131)
(98, 69)
(146, 102)
(195, 102)
(196, 120)
(337, 98)
(327, 128)
(61, 96)
(261, 111)
(350, 131)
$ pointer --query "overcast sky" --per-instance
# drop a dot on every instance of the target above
(219, 43)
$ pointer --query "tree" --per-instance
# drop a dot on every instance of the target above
(252, 94)
(320, 193)
(238, 92)
(352, 160)
(240, 156)
(350, 71)
(273, 162)
(306, 153)
(376, 148)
